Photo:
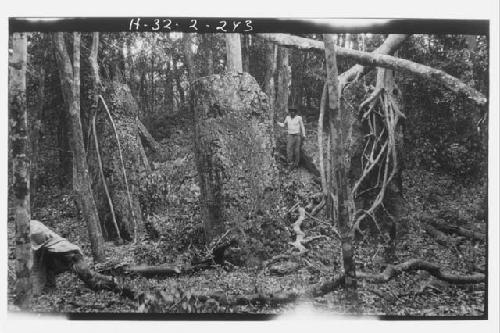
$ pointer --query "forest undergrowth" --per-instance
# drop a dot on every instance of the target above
(172, 209)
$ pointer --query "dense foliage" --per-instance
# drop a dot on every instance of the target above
(444, 177)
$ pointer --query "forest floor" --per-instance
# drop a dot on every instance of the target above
(175, 215)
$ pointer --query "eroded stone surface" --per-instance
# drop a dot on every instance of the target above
(234, 150)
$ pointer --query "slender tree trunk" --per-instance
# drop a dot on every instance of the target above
(233, 53)
(169, 91)
(187, 43)
(210, 60)
(94, 66)
(63, 137)
(245, 54)
(180, 90)
(152, 78)
(126, 61)
(70, 83)
(19, 112)
(322, 107)
(143, 94)
(36, 129)
(282, 93)
(339, 123)
(269, 86)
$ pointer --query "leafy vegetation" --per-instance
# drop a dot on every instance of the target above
(444, 182)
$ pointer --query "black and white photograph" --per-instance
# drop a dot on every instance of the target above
(201, 168)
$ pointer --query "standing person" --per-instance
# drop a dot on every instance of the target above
(296, 133)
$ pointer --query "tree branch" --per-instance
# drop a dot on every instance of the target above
(383, 60)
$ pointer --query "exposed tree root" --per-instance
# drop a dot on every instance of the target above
(441, 237)
(300, 234)
(96, 281)
(477, 236)
(335, 231)
(418, 264)
(161, 301)
(320, 206)
(300, 239)
(392, 271)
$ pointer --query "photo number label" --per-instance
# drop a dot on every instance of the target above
(190, 25)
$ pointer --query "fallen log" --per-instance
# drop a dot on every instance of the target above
(161, 270)
(216, 257)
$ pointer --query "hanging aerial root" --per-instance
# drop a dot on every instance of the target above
(371, 99)
(381, 148)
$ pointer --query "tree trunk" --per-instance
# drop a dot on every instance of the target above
(339, 128)
(187, 43)
(233, 53)
(70, 84)
(19, 113)
(36, 130)
(322, 107)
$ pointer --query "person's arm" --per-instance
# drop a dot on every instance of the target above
(302, 128)
(283, 123)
